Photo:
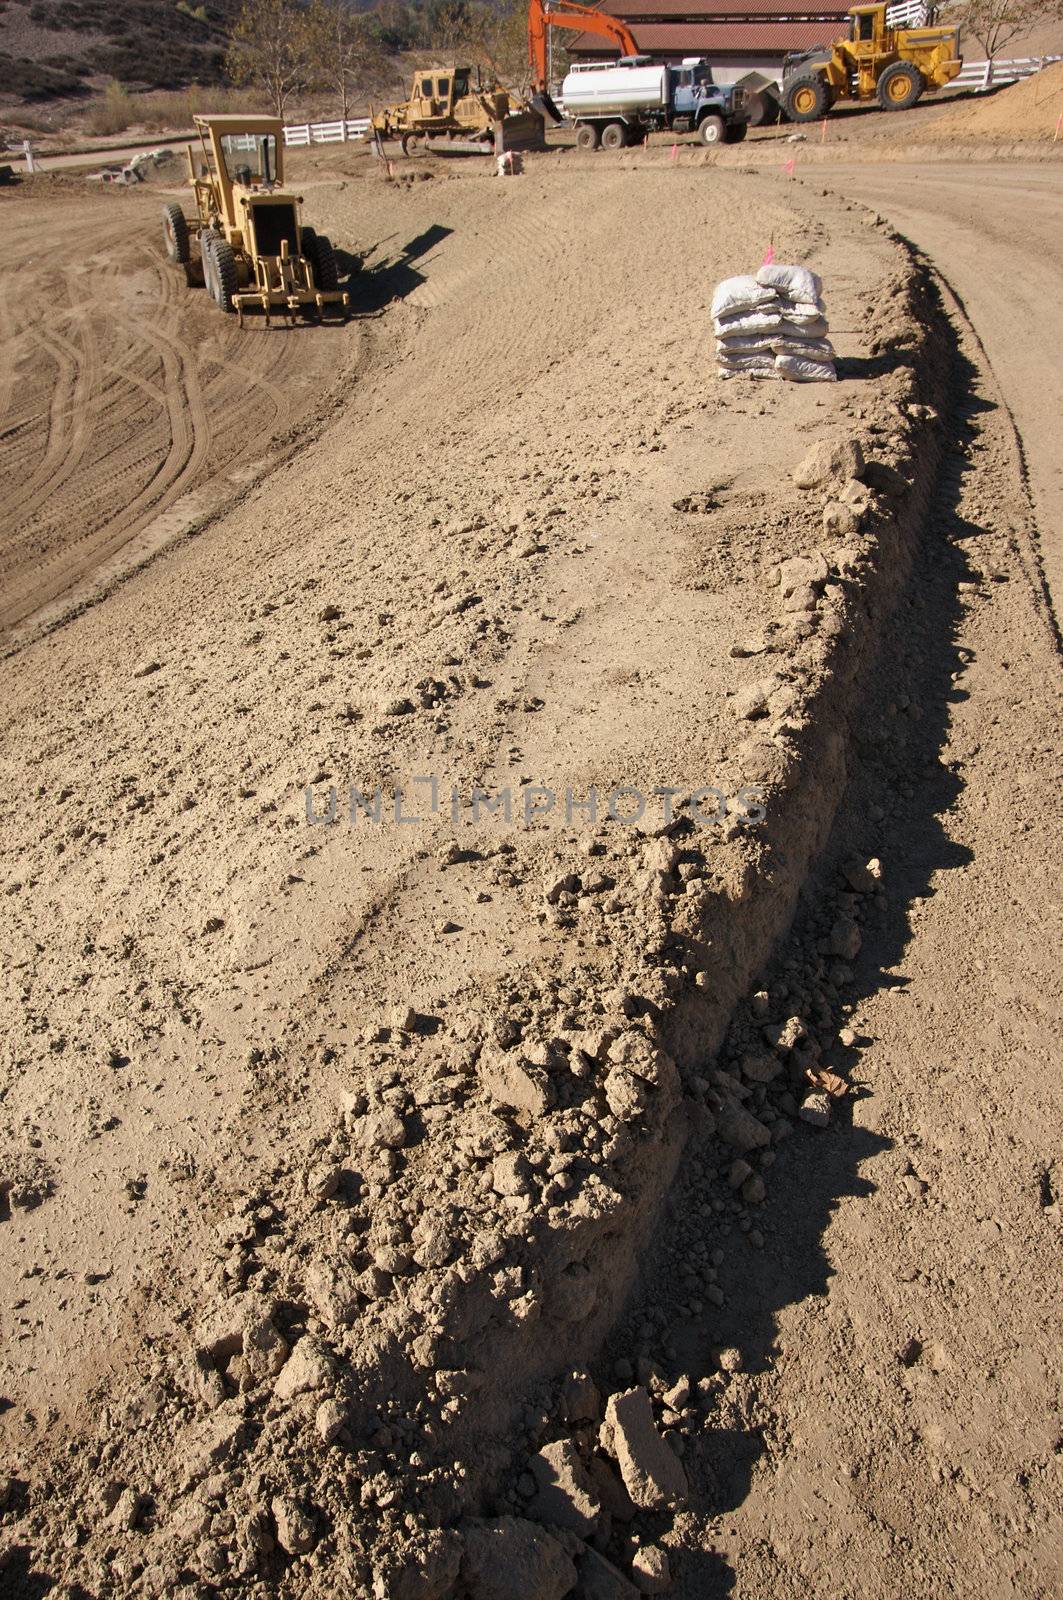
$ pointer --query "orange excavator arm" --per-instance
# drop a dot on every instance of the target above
(568, 14)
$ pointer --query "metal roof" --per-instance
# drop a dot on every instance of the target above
(717, 38)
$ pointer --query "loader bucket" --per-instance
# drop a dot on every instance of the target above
(544, 105)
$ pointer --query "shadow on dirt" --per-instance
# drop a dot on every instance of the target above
(375, 287)
(895, 806)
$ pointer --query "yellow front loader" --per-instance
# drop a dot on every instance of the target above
(255, 248)
(875, 61)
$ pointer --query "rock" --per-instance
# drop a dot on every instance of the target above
(829, 459)
(785, 1035)
(398, 707)
(264, 1349)
(802, 572)
(761, 1069)
(308, 1368)
(650, 1570)
(580, 1399)
(296, 1525)
(568, 883)
(841, 521)
(329, 1421)
(515, 1082)
(738, 1172)
(753, 701)
(431, 1563)
(403, 1019)
(653, 1475)
(125, 1513)
(753, 1190)
(616, 1502)
(729, 1359)
(677, 1398)
(626, 1095)
(322, 1180)
(381, 1130)
(740, 1128)
(329, 613)
(600, 1580)
(513, 1559)
(845, 939)
(815, 1110)
(565, 1495)
(144, 669)
(863, 876)
(511, 1174)
(884, 478)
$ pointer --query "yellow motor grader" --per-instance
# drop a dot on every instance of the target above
(895, 65)
(255, 248)
(451, 110)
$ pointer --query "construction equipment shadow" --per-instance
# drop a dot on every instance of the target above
(397, 276)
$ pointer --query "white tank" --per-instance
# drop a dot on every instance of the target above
(594, 91)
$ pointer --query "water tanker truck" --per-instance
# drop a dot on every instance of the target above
(616, 103)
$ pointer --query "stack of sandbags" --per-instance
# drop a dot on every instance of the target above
(773, 325)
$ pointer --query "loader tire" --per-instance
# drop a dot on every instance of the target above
(587, 136)
(711, 130)
(317, 249)
(175, 233)
(807, 99)
(900, 86)
(219, 272)
(614, 136)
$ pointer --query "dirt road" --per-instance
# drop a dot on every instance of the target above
(992, 232)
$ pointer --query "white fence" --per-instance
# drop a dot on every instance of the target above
(337, 132)
(988, 74)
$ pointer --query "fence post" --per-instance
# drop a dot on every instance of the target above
(27, 151)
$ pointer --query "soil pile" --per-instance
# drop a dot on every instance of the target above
(1027, 110)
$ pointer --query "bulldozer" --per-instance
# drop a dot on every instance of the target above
(875, 60)
(451, 110)
(255, 249)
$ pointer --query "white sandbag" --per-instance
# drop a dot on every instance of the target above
(749, 363)
(747, 322)
(739, 294)
(746, 344)
(801, 370)
(759, 373)
(803, 310)
(798, 283)
(802, 330)
(804, 349)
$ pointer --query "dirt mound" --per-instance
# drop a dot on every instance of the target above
(1027, 110)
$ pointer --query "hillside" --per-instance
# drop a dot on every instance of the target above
(53, 48)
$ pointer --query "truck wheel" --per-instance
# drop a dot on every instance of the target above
(736, 133)
(900, 86)
(219, 272)
(317, 249)
(175, 233)
(587, 136)
(711, 130)
(807, 99)
(614, 136)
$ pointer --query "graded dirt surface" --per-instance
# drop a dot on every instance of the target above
(328, 1151)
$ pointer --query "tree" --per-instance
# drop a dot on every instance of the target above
(345, 50)
(270, 49)
(995, 23)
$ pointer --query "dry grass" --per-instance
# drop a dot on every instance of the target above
(161, 111)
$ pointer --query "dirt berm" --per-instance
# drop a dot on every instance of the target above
(353, 1134)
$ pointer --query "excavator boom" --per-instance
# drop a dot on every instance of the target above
(567, 14)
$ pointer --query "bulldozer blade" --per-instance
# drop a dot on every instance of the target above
(544, 105)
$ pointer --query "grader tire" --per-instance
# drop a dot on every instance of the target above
(807, 99)
(317, 249)
(219, 272)
(900, 86)
(175, 234)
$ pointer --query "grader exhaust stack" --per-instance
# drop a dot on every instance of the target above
(255, 248)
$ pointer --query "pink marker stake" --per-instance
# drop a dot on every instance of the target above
(823, 133)
(675, 152)
(769, 255)
(788, 167)
(1059, 124)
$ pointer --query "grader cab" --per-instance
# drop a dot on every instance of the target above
(876, 60)
(256, 250)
